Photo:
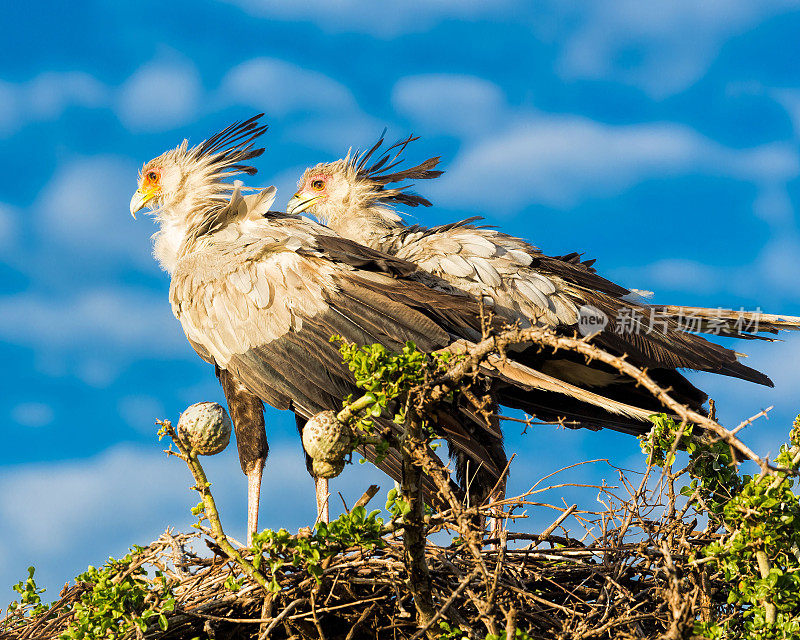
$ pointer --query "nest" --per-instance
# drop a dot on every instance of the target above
(636, 568)
(634, 579)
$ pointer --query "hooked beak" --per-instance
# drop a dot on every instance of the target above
(298, 204)
(139, 201)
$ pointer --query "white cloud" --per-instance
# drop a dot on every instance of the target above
(662, 46)
(773, 205)
(460, 105)
(74, 495)
(790, 100)
(778, 264)
(382, 20)
(561, 161)
(676, 274)
(768, 279)
(335, 135)
(316, 111)
(738, 400)
(9, 109)
(780, 362)
(160, 95)
(280, 89)
(33, 414)
(93, 324)
(84, 207)
(75, 325)
(62, 516)
(96, 370)
(47, 96)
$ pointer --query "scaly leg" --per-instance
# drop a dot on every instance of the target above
(247, 414)
(253, 496)
(323, 511)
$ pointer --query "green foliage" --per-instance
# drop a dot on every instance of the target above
(658, 443)
(396, 505)
(31, 601)
(758, 554)
(118, 599)
(234, 584)
(454, 633)
(714, 478)
(308, 550)
(448, 632)
(199, 509)
(385, 376)
(519, 634)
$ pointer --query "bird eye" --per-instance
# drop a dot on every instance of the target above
(318, 185)
(152, 176)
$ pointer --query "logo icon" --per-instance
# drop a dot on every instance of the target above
(591, 320)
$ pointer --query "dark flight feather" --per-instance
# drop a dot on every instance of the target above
(380, 174)
(234, 145)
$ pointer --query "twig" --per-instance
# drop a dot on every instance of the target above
(544, 534)
(443, 609)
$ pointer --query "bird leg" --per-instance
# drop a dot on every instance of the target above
(247, 415)
(323, 512)
(253, 497)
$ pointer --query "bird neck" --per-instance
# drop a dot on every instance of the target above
(167, 243)
(374, 226)
(181, 221)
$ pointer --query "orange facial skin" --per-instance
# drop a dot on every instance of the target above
(149, 188)
(150, 181)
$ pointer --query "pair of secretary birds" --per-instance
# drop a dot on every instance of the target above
(259, 293)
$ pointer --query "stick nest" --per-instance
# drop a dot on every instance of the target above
(550, 586)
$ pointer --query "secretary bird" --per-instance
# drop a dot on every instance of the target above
(356, 197)
(259, 294)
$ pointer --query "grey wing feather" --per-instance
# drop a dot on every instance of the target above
(489, 264)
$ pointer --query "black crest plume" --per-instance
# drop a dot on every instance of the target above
(233, 146)
(380, 171)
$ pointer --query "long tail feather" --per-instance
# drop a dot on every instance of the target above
(729, 322)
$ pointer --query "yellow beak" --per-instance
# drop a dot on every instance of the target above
(139, 201)
(300, 203)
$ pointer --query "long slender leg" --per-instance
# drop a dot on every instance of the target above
(320, 484)
(254, 475)
(323, 497)
(247, 414)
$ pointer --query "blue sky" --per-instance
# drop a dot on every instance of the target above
(659, 137)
